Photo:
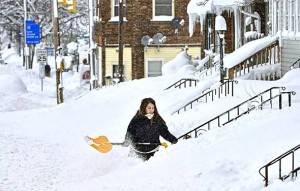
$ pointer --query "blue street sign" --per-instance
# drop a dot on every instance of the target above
(33, 35)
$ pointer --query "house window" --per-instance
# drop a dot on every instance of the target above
(163, 9)
(292, 8)
(98, 9)
(115, 70)
(286, 16)
(116, 8)
(154, 68)
(276, 22)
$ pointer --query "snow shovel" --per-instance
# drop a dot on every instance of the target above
(103, 145)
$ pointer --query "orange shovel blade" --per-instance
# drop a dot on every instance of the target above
(101, 144)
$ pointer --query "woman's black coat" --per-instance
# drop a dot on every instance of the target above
(144, 130)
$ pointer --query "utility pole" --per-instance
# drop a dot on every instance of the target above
(57, 49)
(120, 39)
(93, 80)
(26, 48)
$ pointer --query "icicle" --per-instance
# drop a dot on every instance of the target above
(192, 20)
(202, 18)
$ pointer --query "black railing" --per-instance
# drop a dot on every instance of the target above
(224, 87)
(208, 71)
(207, 67)
(292, 173)
(183, 82)
(295, 65)
(269, 54)
(245, 107)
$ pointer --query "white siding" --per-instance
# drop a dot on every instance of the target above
(285, 18)
(290, 54)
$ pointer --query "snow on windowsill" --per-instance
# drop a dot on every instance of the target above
(162, 18)
(116, 19)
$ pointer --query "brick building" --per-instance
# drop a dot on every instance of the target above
(142, 19)
(154, 18)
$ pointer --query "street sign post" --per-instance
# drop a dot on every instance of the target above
(41, 58)
(33, 35)
(41, 55)
(42, 70)
(42, 73)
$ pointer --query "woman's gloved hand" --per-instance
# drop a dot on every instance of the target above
(126, 143)
(175, 141)
(164, 144)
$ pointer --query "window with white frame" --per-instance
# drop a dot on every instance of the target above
(115, 71)
(292, 20)
(116, 8)
(154, 67)
(286, 15)
(291, 15)
(163, 9)
(276, 21)
(98, 9)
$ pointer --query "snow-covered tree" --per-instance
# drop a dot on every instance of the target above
(71, 24)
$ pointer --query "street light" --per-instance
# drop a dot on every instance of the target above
(221, 27)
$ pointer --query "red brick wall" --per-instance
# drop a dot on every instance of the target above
(138, 24)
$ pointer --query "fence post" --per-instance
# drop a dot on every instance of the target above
(267, 176)
(280, 101)
(232, 88)
(225, 88)
(293, 163)
(231, 73)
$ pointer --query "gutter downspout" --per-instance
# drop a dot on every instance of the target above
(255, 15)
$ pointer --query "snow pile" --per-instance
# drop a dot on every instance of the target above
(8, 54)
(11, 84)
(291, 77)
(247, 50)
(181, 64)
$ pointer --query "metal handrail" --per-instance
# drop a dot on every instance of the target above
(278, 159)
(183, 82)
(238, 108)
(262, 56)
(209, 65)
(211, 93)
(293, 65)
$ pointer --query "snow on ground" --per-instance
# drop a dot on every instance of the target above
(42, 146)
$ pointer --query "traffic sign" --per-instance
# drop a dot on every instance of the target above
(41, 55)
(33, 35)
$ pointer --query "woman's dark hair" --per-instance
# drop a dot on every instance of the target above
(143, 106)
